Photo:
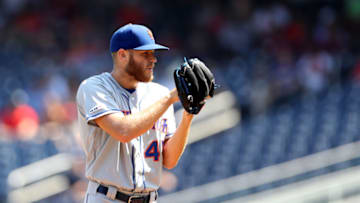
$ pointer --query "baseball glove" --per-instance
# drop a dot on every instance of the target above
(194, 82)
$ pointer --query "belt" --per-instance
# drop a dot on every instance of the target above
(124, 197)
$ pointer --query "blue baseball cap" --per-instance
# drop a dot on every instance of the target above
(133, 36)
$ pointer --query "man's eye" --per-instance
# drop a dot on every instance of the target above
(147, 54)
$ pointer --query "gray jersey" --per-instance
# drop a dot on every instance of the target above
(136, 165)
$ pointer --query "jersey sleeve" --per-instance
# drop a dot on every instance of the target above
(94, 100)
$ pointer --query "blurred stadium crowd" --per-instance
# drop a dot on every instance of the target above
(265, 52)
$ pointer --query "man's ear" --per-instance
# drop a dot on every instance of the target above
(122, 54)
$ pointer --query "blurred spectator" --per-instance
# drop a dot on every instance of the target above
(315, 70)
(23, 121)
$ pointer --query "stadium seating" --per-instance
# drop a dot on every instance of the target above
(305, 125)
(15, 154)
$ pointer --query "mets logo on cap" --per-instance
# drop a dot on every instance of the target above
(150, 34)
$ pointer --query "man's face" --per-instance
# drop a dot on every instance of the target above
(141, 65)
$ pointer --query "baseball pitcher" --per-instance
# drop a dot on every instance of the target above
(127, 121)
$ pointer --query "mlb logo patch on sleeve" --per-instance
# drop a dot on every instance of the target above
(95, 109)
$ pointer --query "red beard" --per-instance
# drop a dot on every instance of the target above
(136, 70)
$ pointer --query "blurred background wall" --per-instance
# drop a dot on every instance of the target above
(291, 68)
